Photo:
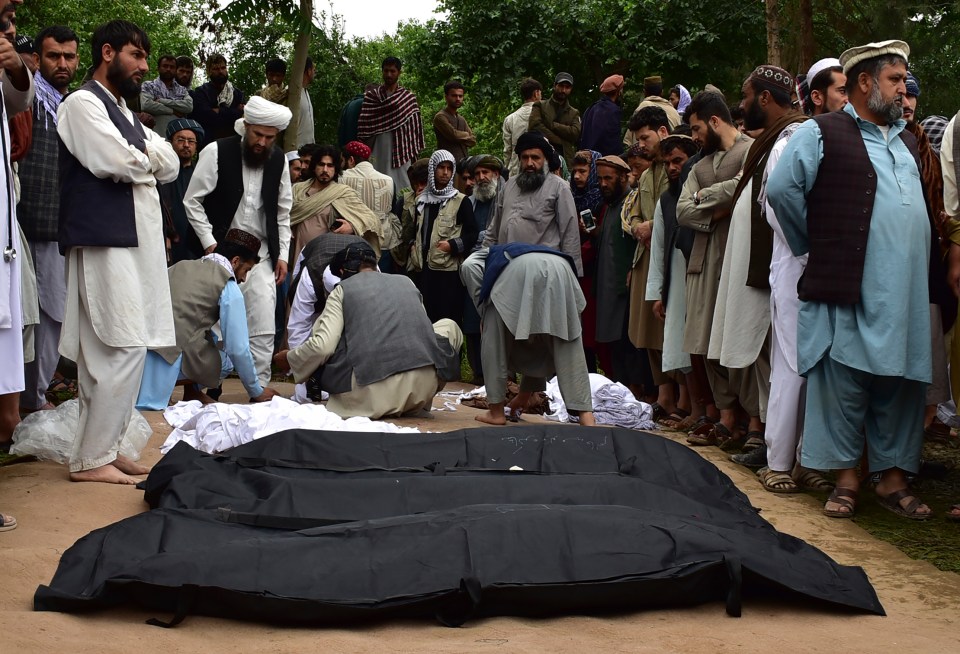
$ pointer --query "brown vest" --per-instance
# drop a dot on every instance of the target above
(195, 288)
(839, 208)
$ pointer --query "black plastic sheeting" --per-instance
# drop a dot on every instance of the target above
(326, 527)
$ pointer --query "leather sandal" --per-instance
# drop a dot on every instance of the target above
(891, 503)
(845, 497)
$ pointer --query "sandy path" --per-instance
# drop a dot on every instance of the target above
(923, 604)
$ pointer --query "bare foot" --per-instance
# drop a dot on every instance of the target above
(587, 419)
(191, 392)
(494, 416)
(107, 474)
(125, 465)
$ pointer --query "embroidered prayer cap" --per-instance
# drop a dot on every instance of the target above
(854, 56)
(489, 162)
(820, 66)
(913, 85)
(181, 124)
(772, 77)
(611, 84)
(636, 150)
(258, 111)
(563, 78)
(533, 140)
(347, 262)
(358, 149)
(614, 161)
(293, 155)
(246, 240)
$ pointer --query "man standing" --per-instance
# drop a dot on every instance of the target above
(557, 120)
(40, 205)
(652, 90)
(164, 98)
(517, 123)
(847, 193)
(110, 221)
(451, 129)
(601, 120)
(182, 243)
(306, 129)
(373, 347)
(276, 88)
(704, 206)
(377, 192)
(390, 123)
(827, 85)
(741, 319)
(217, 105)
(185, 72)
(243, 182)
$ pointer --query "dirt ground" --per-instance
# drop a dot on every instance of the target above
(923, 604)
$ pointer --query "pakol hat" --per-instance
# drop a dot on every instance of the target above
(611, 84)
(854, 56)
(181, 124)
(614, 161)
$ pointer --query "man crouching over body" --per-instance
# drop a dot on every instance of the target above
(373, 347)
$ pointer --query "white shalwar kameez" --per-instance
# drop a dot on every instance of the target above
(260, 288)
(118, 299)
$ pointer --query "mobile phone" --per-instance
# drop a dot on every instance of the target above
(587, 217)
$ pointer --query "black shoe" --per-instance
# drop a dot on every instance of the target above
(215, 393)
(754, 459)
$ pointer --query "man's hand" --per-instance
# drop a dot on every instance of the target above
(953, 269)
(267, 394)
(280, 272)
(643, 231)
(147, 119)
(210, 249)
(10, 61)
(444, 246)
(344, 228)
(659, 311)
(280, 360)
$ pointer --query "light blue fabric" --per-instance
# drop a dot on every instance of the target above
(159, 377)
(887, 333)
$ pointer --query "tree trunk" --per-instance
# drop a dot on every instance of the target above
(300, 49)
(774, 54)
(807, 45)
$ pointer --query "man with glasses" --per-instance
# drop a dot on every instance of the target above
(183, 134)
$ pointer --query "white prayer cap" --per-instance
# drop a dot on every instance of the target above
(263, 112)
(293, 155)
(854, 56)
(820, 66)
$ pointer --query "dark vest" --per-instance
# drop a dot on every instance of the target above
(221, 204)
(839, 208)
(317, 255)
(195, 288)
(385, 331)
(97, 212)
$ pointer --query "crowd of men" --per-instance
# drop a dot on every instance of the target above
(777, 285)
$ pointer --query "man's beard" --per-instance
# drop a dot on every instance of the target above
(531, 181)
(485, 191)
(254, 159)
(754, 117)
(127, 87)
(613, 194)
(890, 112)
(711, 142)
(219, 80)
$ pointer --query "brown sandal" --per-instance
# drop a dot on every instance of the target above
(845, 497)
(891, 503)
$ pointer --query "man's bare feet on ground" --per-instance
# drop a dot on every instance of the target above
(191, 392)
(107, 474)
(587, 419)
(493, 416)
(125, 465)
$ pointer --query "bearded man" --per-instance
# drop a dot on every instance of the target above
(218, 104)
(847, 194)
(243, 182)
(110, 221)
(164, 98)
(184, 134)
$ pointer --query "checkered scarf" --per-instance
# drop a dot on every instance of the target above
(48, 100)
(398, 113)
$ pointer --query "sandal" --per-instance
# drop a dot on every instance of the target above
(754, 459)
(731, 442)
(7, 522)
(659, 413)
(777, 482)
(811, 480)
(937, 432)
(675, 419)
(62, 384)
(717, 435)
(754, 440)
(512, 415)
(891, 503)
(845, 497)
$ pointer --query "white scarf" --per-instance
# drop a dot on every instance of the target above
(226, 95)
(430, 194)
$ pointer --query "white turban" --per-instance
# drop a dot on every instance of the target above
(263, 112)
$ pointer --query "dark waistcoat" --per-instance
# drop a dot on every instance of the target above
(385, 331)
(97, 212)
(221, 204)
(839, 208)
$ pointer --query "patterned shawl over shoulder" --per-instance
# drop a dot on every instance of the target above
(398, 113)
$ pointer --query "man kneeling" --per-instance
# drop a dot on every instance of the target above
(205, 292)
(530, 307)
(373, 347)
